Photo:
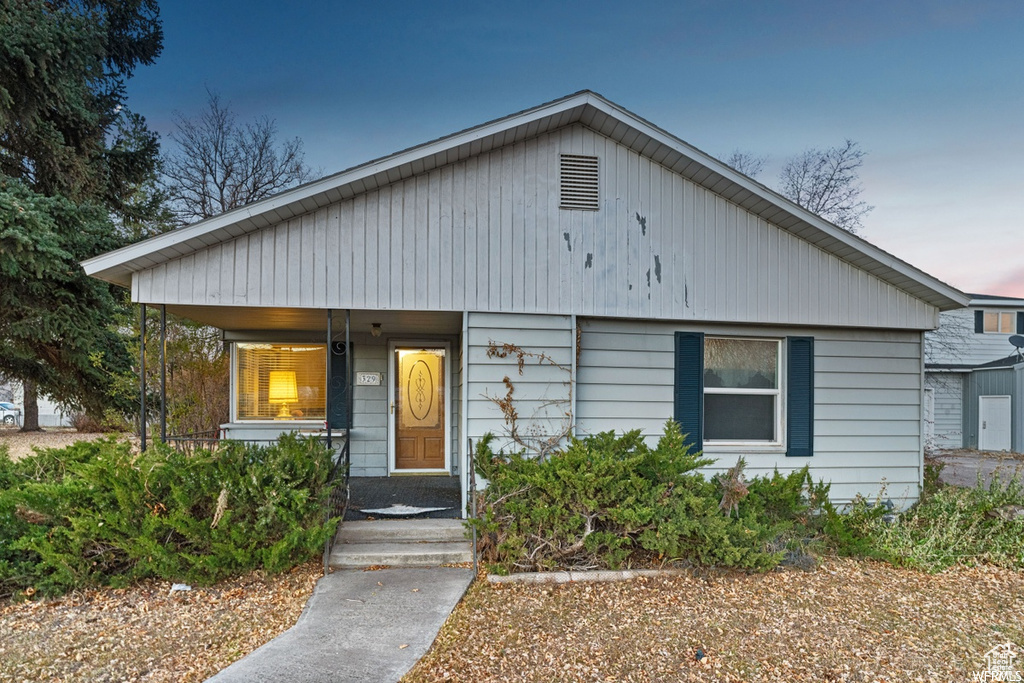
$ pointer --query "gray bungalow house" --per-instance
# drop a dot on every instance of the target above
(656, 281)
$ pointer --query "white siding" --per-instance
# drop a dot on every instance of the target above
(948, 414)
(956, 342)
(486, 234)
(541, 392)
(867, 400)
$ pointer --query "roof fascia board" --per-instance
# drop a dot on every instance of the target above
(1000, 303)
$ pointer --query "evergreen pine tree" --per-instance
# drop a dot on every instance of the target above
(73, 161)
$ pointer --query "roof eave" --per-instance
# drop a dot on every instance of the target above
(584, 107)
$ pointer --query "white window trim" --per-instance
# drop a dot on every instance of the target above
(776, 445)
(999, 321)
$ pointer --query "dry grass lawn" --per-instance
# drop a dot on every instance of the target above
(20, 444)
(146, 634)
(847, 621)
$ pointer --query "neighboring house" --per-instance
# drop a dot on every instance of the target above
(661, 281)
(973, 396)
(50, 414)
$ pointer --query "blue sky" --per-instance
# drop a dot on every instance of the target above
(933, 91)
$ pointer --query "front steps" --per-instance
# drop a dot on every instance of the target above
(400, 543)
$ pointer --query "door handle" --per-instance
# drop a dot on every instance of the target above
(984, 424)
(392, 407)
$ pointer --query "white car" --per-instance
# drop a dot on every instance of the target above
(10, 414)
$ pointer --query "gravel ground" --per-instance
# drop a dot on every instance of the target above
(847, 621)
(144, 633)
(19, 444)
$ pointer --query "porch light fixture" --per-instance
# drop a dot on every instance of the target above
(282, 390)
(375, 329)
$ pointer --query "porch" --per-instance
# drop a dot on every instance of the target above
(384, 388)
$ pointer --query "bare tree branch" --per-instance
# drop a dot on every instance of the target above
(746, 163)
(827, 182)
(220, 165)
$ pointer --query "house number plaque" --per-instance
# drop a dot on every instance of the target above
(368, 379)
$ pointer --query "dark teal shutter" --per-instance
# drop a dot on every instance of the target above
(979, 321)
(800, 397)
(338, 387)
(1020, 322)
(689, 388)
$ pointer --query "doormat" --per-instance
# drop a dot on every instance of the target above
(402, 510)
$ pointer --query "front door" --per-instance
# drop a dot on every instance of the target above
(419, 407)
(994, 423)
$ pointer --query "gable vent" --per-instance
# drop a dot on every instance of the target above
(579, 182)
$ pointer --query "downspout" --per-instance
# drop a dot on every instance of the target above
(920, 458)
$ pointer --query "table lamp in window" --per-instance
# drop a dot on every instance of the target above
(282, 390)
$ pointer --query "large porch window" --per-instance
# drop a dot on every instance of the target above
(280, 381)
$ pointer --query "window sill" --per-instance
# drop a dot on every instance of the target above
(744, 448)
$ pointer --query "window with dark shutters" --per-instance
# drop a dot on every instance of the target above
(690, 407)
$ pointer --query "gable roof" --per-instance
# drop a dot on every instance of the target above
(586, 108)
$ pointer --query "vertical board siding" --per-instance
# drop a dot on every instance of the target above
(486, 234)
(867, 399)
(1001, 382)
(948, 412)
(534, 389)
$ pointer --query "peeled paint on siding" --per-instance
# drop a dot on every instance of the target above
(486, 234)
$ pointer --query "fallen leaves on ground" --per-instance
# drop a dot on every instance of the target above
(849, 620)
(144, 633)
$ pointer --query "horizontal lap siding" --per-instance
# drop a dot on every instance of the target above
(487, 234)
(369, 445)
(867, 399)
(948, 412)
(957, 343)
(539, 384)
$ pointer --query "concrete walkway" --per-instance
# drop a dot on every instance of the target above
(366, 626)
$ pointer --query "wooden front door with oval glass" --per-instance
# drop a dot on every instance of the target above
(419, 408)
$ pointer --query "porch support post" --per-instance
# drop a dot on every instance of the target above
(349, 401)
(163, 373)
(330, 374)
(142, 376)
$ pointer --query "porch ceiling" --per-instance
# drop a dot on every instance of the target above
(241, 318)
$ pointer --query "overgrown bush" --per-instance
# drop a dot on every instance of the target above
(948, 526)
(97, 514)
(608, 501)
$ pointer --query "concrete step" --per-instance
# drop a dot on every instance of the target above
(357, 555)
(402, 530)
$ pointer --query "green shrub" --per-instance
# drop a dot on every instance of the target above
(608, 501)
(96, 513)
(948, 526)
